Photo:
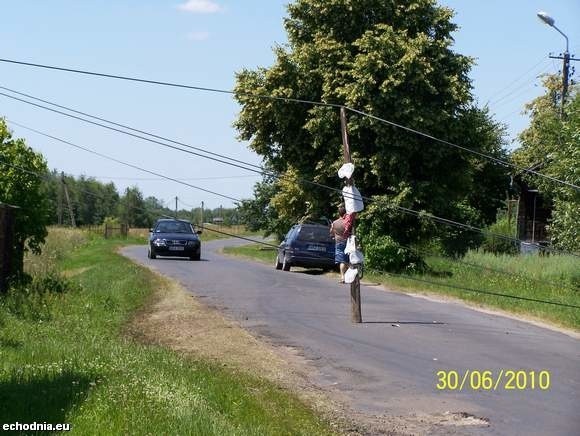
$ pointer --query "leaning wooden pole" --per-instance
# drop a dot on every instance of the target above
(68, 202)
(355, 300)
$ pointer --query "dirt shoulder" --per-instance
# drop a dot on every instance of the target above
(180, 321)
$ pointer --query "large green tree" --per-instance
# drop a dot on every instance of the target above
(551, 144)
(19, 186)
(132, 209)
(392, 59)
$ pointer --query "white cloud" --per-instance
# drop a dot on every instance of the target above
(200, 7)
(198, 36)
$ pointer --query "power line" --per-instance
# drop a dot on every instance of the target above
(275, 246)
(170, 84)
(543, 60)
(490, 269)
(409, 211)
(295, 100)
(154, 179)
(88, 150)
(494, 159)
(544, 70)
(478, 291)
(49, 177)
(232, 163)
(124, 126)
(404, 276)
(186, 204)
(516, 93)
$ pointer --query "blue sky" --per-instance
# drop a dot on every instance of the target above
(204, 42)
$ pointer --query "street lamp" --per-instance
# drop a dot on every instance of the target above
(565, 71)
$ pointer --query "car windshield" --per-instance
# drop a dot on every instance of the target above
(314, 234)
(173, 227)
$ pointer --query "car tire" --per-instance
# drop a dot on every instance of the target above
(196, 256)
(278, 264)
(151, 254)
(285, 264)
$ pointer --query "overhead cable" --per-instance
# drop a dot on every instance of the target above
(296, 100)
(419, 214)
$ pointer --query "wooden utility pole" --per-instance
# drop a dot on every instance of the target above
(175, 207)
(59, 199)
(355, 301)
(70, 208)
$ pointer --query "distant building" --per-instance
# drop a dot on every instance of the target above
(534, 212)
(218, 220)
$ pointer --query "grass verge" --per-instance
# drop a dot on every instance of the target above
(68, 361)
(550, 279)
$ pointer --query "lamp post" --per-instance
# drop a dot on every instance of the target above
(566, 68)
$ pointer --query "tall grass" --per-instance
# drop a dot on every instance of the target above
(486, 280)
(528, 284)
(59, 243)
(75, 367)
(555, 268)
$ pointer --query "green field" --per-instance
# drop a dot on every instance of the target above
(65, 359)
(553, 279)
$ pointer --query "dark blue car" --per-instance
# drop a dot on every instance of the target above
(172, 237)
(306, 245)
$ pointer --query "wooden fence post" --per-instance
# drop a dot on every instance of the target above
(6, 244)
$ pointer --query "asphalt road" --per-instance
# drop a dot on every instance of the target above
(388, 364)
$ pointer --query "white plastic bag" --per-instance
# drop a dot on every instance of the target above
(353, 201)
(356, 257)
(346, 171)
(350, 245)
(350, 275)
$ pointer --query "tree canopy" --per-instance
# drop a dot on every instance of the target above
(19, 186)
(394, 60)
(551, 144)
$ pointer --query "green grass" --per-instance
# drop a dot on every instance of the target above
(546, 278)
(253, 252)
(67, 361)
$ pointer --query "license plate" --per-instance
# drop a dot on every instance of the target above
(176, 248)
(316, 248)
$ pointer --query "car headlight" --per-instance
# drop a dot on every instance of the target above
(191, 243)
(160, 242)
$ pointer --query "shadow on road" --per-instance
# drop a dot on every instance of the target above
(311, 272)
(405, 322)
(181, 259)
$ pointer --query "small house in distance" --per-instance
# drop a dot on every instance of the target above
(534, 213)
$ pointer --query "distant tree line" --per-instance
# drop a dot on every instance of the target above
(93, 201)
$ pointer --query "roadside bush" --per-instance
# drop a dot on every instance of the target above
(384, 254)
(111, 221)
(496, 245)
(456, 241)
(31, 297)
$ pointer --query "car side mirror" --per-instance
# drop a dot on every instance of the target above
(199, 232)
(150, 230)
